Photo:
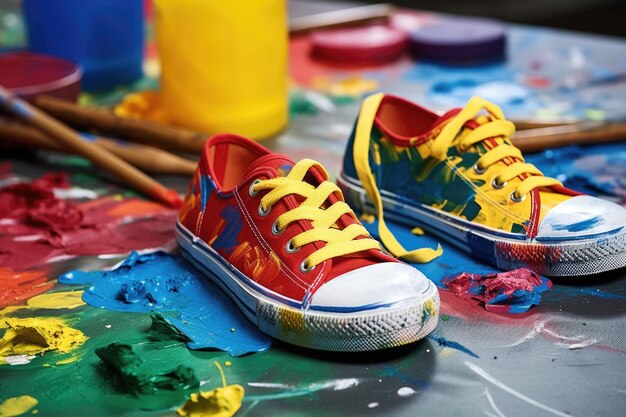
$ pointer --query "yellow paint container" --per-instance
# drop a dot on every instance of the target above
(224, 64)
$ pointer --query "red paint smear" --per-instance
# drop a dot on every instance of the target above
(16, 287)
(35, 226)
(610, 349)
(452, 305)
(485, 288)
(538, 82)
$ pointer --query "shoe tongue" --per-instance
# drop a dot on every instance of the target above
(278, 162)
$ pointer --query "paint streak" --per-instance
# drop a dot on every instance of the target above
(52, 301)
(132, 375)
(35, 336)
(185, 299)
(221, 402)
(580, 226)
(36, 226)
(504, 292)
(18, 287)
(452, 344)
(17, 406)
(484, 374)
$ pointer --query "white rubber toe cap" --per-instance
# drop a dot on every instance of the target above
(374, 286)
(582, 217)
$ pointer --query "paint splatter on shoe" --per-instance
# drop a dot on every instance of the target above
(459, 177)
(279, 239)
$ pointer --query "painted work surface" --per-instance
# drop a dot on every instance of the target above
(142, 345)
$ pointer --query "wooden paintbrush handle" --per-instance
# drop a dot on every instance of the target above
(533, 140)
(139, 131)
(100, 157)
(146, 158)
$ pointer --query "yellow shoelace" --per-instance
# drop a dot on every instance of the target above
(493, 127)
(496, 127)
(339, 242)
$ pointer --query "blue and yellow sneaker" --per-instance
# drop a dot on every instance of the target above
(459, 177)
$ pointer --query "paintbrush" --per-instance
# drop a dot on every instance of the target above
(146, 158)
(340, 18)
(100, 157)
(532, 140)
(134, 130)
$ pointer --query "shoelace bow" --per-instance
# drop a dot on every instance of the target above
(496, 126)
(339, 242)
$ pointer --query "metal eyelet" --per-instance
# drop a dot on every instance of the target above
(304, 268)
(275, 230)
(516, 199)
(478, 170)
(251, 192)
(289, 248)
(498, 185)
(262, 212)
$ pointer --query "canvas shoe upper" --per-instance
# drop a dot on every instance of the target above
(460, 177)
(279, 239)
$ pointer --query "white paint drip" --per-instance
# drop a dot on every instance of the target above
(341, 384)
(581, 345)
(484, 374)
(406, 392)
(493, 404)
(74, 193)
(269, 385)
(19, 359)
(372, 405)
(571, 342)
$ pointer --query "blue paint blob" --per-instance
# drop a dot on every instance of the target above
(159, 282)
(598, 170)
(452, 344)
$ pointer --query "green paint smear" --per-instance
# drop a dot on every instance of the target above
(158, 386)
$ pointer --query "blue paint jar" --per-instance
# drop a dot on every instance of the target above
(105, 37)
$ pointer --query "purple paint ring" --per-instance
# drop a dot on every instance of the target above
(457, 40)
(362, 45)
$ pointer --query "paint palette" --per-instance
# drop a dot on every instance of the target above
(29, 75)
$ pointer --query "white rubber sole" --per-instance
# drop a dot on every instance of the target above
(368, 330)
(564, 258)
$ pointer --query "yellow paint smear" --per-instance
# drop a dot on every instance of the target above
(417, 231)
(367, 218)
(17, 406)
(51, 301)
(221, 402)
(68, 360)
(34, 336)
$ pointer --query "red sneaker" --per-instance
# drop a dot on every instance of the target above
(279, 239)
